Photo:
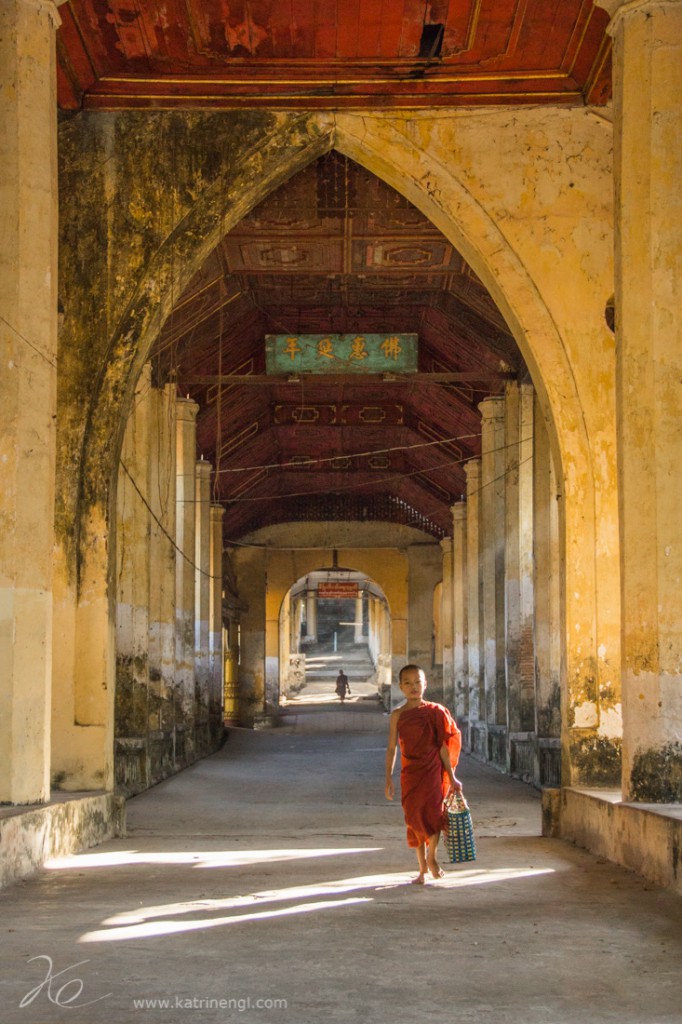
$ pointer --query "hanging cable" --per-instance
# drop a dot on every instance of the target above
(356, 455)
(30, 344)
(163, 529)
(424, 471)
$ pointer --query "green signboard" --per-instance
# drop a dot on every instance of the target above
(340, 353)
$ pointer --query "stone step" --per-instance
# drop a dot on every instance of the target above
(323, 663)
(358, 673)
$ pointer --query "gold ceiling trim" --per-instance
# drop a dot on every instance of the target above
(218, 80)
(91, 101)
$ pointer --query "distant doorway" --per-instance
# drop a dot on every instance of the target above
(334, 620)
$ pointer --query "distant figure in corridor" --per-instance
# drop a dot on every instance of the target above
(342, 685)
(430, 743)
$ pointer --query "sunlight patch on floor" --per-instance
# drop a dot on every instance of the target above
(162, 919)
(154, 929)
(196, 858)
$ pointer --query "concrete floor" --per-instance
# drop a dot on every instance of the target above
(276, 871)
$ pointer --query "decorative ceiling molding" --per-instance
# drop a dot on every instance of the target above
(206, 54)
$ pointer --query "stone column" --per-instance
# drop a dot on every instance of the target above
(371, 620)
(215, 616)
(519, 598)
(492, 563)
(251, 569)
(459, 616)
(446, 624)
(647, 77)
(477, 729)
(185, 529)
(311, 616)
(547, 609)
(202, 598)
(296, 624)
(425, 567)
(132, 604)
(28, 354)
(162, 474)
(358, 638)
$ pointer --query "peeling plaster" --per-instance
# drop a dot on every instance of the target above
(611, 722)
(585, 716)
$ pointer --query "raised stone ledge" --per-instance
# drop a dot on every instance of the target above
(647, 838)
(32, 835)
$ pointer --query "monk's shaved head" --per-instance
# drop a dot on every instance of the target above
(410, 668)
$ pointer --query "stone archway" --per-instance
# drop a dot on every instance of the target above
(332, 619)
(265, 575)
(511, 234)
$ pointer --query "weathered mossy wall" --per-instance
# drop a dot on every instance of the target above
(131, 237)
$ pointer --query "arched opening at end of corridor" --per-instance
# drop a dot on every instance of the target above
(335, 640)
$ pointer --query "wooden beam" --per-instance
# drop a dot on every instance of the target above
(318, 379)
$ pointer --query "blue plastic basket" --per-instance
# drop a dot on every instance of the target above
(458, 834)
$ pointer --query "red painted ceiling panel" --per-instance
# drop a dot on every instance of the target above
(324, 53)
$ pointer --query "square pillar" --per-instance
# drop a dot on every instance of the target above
(185, 532)
(547, 608)
(28, 352)
(446, 624)
(215, 615)
(519, 648)
(459, 616)
(202, 598)
(492, 539)
(162, 555)
(647, 79)
(477, 724)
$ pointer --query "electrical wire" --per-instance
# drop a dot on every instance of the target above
(163, 529)
(354, 455)
(30, 344)
(381, 480)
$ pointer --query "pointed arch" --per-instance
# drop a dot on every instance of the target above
(417, 158)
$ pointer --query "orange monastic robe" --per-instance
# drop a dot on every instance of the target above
(422, 731)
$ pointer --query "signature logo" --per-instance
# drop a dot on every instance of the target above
(64, 993)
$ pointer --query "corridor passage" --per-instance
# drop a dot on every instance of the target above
(270, 884)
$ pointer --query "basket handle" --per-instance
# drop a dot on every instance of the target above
(456, 801)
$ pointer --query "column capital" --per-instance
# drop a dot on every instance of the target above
(619, 9)
(48, 7)
(217, 512)
(492, 408)
(186, 409)
(459, 512)
(203, 469)
(446, 545)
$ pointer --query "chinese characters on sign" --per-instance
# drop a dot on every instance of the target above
(337, 588)
(340, 353)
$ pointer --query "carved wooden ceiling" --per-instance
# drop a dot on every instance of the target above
(336, 250)
(330, 54)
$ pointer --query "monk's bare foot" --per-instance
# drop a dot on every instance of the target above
(436, 870)
(419, 880)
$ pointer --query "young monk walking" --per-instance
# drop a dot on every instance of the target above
(430, 743)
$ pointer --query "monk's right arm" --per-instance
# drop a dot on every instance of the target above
(391, 751)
